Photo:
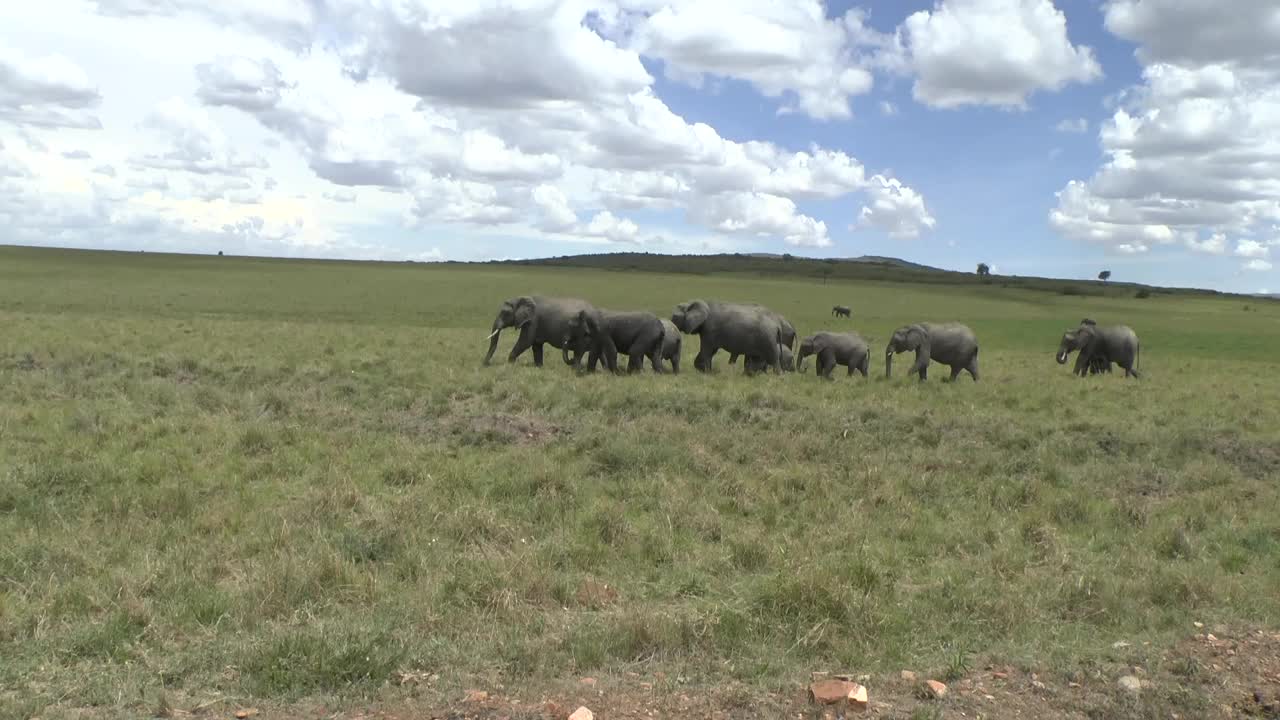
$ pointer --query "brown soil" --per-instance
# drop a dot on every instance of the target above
(1210, 674)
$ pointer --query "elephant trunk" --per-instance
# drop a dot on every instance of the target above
(564, 350)
(493, 339)
(1062, 356)
(888, 362)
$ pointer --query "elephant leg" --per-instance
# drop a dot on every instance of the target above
(955, 372)
(635, 362)
(733, 358)
(924, 372)
(851, 368)
(523, 342)
(865, 365)
(826, 363)
(537, 354)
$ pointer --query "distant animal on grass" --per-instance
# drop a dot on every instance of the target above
(1098, 347)
(841, 311)
(541, 321)
(952, 344)
(831, 349)
(608, 333)
(737, 327)
(755, 364)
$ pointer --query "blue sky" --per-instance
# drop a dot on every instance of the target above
(1043, 138)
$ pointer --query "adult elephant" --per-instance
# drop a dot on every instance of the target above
(832, 349)
(607, 333)
(1098, 364)
(540, 320)
(788, 330)
(950, 344)
(841, 311)
(1097, 344)
(740, 328)
(672, 345)
(754, 364)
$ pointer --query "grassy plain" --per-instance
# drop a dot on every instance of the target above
(253, 481)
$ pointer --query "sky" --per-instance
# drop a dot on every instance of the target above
(1043, 138)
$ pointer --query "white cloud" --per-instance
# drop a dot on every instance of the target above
(1194, 150)
(992, 52)
(47, 90)
(783, 49)
(1215, 244)
(238, 119)
(1251, 249)
(895, 208)
(1073, 125)
(888, 108)
(1257, 265)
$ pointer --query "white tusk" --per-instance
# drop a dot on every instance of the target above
(495, 332)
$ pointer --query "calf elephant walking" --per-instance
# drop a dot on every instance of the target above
(946, 343)
(832, 349)
(607, 334)
(672, 344)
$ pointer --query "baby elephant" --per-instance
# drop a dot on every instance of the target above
(755, 364)
(607, 333)
(672, 342)
(840, 311)
(832, 349)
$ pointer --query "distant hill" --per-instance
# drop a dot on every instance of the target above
(864, 267)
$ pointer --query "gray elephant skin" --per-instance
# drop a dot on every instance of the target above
(754, 364)
(1098, 347)
(672, 345)
(608, 333)
(541, 321)
(788, 330)
(831, 349)
(841, 311)
(742, 329)
(950, 344)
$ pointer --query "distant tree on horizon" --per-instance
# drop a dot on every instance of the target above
(984, 269)
(1104, 275)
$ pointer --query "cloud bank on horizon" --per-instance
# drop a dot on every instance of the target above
(1140, 134)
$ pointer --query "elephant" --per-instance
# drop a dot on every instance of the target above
(950, 344)
(540, 320)
(788, 331)
(608, 333)
(672, 343)
(1097, 364)
(754, 364)
(739, 328)
(832, 349)
(841, 311)
(1115, 344)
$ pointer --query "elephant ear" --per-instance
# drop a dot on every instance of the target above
(589, 321)
(525, 308)
(917, 337)
(695, 315)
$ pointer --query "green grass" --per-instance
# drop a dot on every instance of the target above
(293, 480)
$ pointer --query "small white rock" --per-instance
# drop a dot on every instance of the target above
(1131, 684)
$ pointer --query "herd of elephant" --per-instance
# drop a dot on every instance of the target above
(765, 339)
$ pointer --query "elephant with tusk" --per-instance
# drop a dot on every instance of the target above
(1099, 347)
(951, 344)
(540, 320)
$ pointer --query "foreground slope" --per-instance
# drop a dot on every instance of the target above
(292, 484)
